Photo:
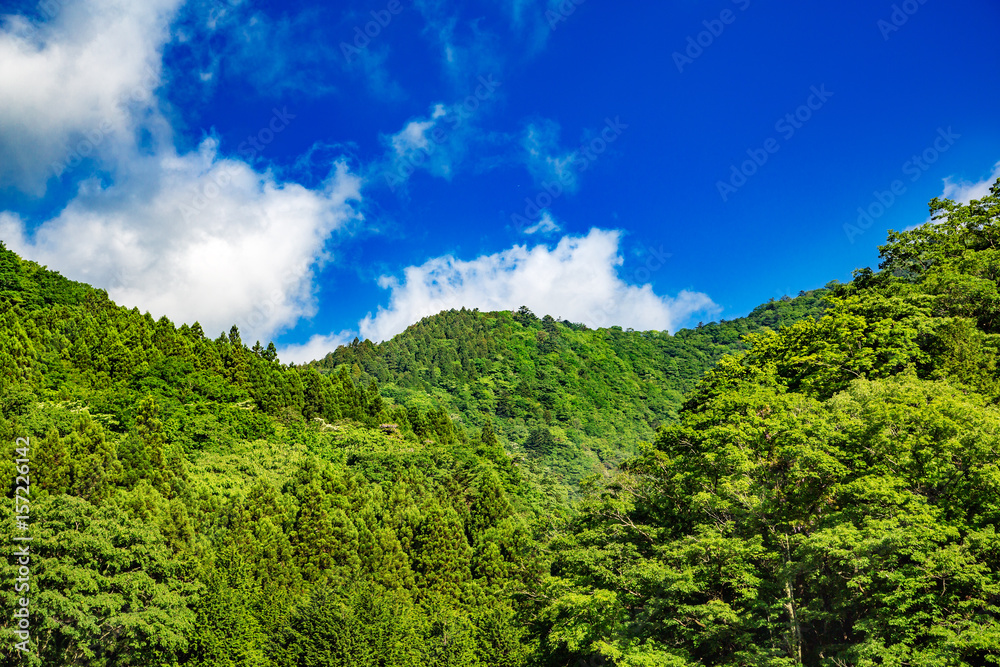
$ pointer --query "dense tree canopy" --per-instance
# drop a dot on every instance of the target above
(573, 400)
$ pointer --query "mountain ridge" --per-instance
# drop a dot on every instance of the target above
(545, 384)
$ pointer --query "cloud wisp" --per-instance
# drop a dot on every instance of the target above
(439, 142)
(965, 191)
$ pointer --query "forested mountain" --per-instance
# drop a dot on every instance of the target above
(571, 400)
(193, 501)
(824, 492)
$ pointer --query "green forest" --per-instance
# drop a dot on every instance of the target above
(817, 483)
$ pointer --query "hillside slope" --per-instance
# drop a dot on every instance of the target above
(193, 501)
(223, 506)
(574, 400)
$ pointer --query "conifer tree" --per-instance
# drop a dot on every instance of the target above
(53, 467)
(443, 556)
(95, 468)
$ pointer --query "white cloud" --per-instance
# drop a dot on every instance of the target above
(315, 348)
(413, 136)
(577, 280)
(439, 142)
(194, 236)
(73, 87)
(965, 191)
(198, 237)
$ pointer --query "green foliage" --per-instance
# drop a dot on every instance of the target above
(365, 629)
(105, 588)
(228, 631)
(826, 492)
(828, 497)
(192, 498)
(577, 401)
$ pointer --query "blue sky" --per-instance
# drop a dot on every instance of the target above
(270, 164)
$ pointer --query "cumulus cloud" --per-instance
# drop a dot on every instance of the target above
(198, 237)
(965, 191)
(191, 235)
(577, 280)
(75, 88)
(315, 348)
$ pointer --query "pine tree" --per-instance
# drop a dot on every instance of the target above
(443, 556)
(489, 503)
(53, 467)
(95, 466)
(228, 632)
